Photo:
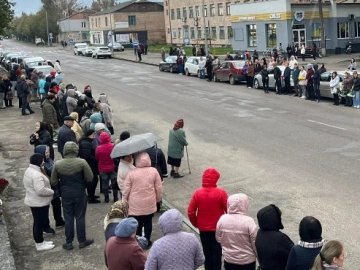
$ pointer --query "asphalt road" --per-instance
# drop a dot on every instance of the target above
(298, 154)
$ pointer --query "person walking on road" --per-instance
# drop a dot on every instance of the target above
(177, 141)
(176, 250)
(274, 256)
(72, 175)
(331, 256)
(302, 255)
(236, 233)
(206, 206)
(66, 134)
(38, 197)
(142, 190)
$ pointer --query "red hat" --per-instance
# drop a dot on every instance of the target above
(53, 73)
(179, 124)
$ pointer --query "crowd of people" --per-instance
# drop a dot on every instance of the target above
(81, 128)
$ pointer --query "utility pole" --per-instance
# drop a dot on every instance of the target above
(205, 32)
(112, 38)
(47, 27)
(322, 30)
(171, 38)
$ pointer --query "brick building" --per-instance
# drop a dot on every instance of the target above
(138, 20)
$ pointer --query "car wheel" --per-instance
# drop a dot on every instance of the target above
(171, 70)
(232, 80)
(256, 84)
(160, 68)
(109, 56)
(187, 73)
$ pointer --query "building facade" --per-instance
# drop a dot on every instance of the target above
(75, 28)
(139, 20)
(194, 21)
(263, 26)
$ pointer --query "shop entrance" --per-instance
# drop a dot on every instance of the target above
(299, 37)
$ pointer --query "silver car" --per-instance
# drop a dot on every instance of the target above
(272, 83)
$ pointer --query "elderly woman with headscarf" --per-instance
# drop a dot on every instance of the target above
(177, 141)
(76, 127)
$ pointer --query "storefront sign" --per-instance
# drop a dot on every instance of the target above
(299, 15)
(275, 16)
(121, 25)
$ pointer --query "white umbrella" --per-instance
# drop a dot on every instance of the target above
(134, 144)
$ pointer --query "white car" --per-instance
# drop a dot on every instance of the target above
(78, 48)
(33, 62)
(87, 51)
(44, 69)
(101, 52)
(192, 65)
(117, 46)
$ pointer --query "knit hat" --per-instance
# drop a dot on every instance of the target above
(36, 159)
(100, 126)
(126, 227)
(210, 177)
(310, 229)
(179, 124)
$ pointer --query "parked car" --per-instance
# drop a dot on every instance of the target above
(117, 46)
(87, 51)
(33, 62)
(101, 52)
(39, 42)
(15, 61)
(45, 69)
(7, 58)
(192, 66)
(78, 48)
(169, 64)
(272, 83)
(230, 71)
(325, 82)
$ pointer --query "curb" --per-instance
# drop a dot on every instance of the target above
(134, 61)
(6, 255)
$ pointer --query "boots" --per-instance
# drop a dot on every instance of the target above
(115, 192)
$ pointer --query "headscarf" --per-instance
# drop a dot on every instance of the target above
(179, 124)
(118, 210)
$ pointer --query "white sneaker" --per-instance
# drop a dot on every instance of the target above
(44, 246)
(49, 242)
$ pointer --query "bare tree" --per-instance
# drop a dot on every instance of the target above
(322, 29)
(98, 5)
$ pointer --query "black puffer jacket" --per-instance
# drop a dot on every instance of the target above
(273, 247)
(86, 151)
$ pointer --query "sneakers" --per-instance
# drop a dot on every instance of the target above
(49, 231)
(44, 246)
(86, 243)
(68, 246)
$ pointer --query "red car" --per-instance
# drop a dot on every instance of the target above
(230, 71)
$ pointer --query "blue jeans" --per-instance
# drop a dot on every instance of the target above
(357, 98)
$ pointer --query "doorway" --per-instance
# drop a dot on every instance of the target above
(299, 37)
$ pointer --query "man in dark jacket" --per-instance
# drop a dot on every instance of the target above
(86, 151)
(274, 256)
(71, 174)
(286, 76)
(277, 77)
(209, 68)
(23, 93)
(66, 134)
(49, 112)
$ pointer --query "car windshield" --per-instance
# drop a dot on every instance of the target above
(33, 64)
(170, 59)
(239, 64)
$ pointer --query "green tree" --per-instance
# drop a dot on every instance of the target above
(6, 14)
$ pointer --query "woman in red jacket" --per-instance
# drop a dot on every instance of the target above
(206, 206)
(106, 165)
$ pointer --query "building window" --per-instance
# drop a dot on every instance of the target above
(213, 33)
(92, 22)
(132, 20)
(212, 10)
(199, 34)
(191, 12)
(206, 31)
(221, 32)
(197, 11)
(316, 30)
(83, 24)
(205, 11)
(167, 12)
(179, 32)
(174, 33)
(251, 34)
(228, 8)
(99, 22)
(172, 14)
(343, 30)
(178, 13)
(192, 32)
(357, 29)
(220, 9)
(184, 13)
(230, 33)
(96, 22)
(271, 35)
(106, 21)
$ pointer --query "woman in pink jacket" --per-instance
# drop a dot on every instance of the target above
(142, 190)
(236, 233)
(106, 165)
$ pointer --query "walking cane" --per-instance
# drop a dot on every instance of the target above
(187, 155)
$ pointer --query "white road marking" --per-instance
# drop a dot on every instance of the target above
(324, 124)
